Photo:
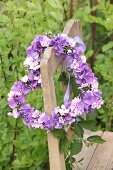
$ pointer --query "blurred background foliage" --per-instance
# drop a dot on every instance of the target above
(20, 20)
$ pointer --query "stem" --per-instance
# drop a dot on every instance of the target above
(77, 4)
(109, 119)
(4, 75)
(65, 12)
(71, 8)
(12, 156)
(93, 31)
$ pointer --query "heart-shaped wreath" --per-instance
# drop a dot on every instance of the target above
(71, 49)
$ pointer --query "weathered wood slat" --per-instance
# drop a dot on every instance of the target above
(98, 156)
(56, 159)
(87, 152)
(103, 156)
(73, 28)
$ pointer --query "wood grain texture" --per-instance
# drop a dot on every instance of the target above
(49, 64)
(99, 156)
(87, 152)
(56, 159)
(103, 156)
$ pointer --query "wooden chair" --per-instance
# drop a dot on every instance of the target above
(97, 157)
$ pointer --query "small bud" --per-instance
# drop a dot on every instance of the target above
(49, 34)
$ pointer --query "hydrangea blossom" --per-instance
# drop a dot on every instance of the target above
(90, 98)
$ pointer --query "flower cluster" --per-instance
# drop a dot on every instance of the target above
(71, 49)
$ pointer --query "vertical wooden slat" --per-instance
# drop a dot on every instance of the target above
(56, 159)
(49, 65)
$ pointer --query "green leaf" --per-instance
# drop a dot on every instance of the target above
(63, 78)
(55, 4)
(89, 53)
(59, 133)
(16, 163)
(107, 46)
(76, 147)
(68, 166)
(95, 139)
(74, 86)
(88, 124)
(64, 145)
(78, 131)
(72, 160)
(80, 118)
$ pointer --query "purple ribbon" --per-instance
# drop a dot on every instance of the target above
(67, 94)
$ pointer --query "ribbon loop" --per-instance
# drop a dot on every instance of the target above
(67, 94)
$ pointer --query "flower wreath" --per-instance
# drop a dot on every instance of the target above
(90, 98)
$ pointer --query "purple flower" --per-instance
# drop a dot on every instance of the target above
(55, 117)
(21, 87)
(39, 43)
(76, 107)
(88, 98)
(83, 74)
(92, 100)
(68, 119)
(15, 98)
(34, 75)
(46, 121)
(36, 114)
(59, 42)
(17, 86)
(79, 45)
(26, 111)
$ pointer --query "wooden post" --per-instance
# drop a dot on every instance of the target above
(49, 65)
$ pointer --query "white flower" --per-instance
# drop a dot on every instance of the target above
(35, 114)
(76, 100)
(24, 79)
(14, 114)
(98, 104)
(45, 42)
(39, 79)
(83, 58)
(63, 110)
(28, 61)
(36, 78)
(84, 85)
(71, 42)
(74, 65)
(35, 124)
(74, 113)
(11, 94)
(61, 120)
(33, 64)
(64, 35)
(73, 107)
(94, 84)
